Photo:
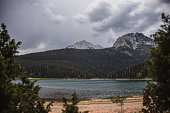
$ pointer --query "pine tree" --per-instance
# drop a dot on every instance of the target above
(156, 95)
(19, 97)
(71, 108)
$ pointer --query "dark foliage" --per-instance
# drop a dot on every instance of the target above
(134, 71)
(71, 108)
(156, 97)
(73, 63)
(16, 97)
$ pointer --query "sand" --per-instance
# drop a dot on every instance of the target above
(87, 79)
(131, 105)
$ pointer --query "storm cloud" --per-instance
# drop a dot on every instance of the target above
(124, 16)
(165, 1)
(101, 11)
(55, 24)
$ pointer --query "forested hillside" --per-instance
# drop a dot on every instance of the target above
(74, 63)
(134, 71)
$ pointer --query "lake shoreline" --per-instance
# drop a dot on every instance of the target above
(87, 79)
(91, 99)
(131, 104)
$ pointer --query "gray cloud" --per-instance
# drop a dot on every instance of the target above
(120, 20)
(100, 12)
(50, 24)
(32, 23)
(124, 17)
(80, 18)
(165, 1)
(56, 18)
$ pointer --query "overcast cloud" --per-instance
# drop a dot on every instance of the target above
(165, 1)
(55, 24)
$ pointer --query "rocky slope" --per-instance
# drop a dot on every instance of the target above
(133, 40)
(84, 45)
(88, 61)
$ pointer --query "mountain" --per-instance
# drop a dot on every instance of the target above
(84, 45)
(133, 43)
(133, 40)
(128, 50)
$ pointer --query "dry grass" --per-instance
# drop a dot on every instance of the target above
(131, 105)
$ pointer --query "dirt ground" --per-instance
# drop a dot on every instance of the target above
(131, 105)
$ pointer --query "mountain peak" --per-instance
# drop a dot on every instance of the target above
(84, 45)
(133, 40)
(134, 34)
(84, 41)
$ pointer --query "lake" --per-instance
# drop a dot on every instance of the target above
(89, 89)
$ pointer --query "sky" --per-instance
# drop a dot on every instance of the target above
(55, 24)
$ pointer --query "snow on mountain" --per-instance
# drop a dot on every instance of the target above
(133, 40)
(84, 45)
(130, 40)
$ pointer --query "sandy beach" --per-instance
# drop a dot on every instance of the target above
(131, 105)
(87, 79)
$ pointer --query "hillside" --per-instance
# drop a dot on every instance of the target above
(82, 63)
(131, 72)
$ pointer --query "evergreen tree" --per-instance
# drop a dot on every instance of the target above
(156, 95)
(71, 108)
(16, 97)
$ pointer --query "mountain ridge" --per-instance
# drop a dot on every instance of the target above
(85, 63)
(84, 45)
(133, 40)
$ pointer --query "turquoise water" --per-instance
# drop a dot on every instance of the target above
(90, 88)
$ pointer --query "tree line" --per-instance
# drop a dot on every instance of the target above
(72, 63)
(51, 70)
(136, 71)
